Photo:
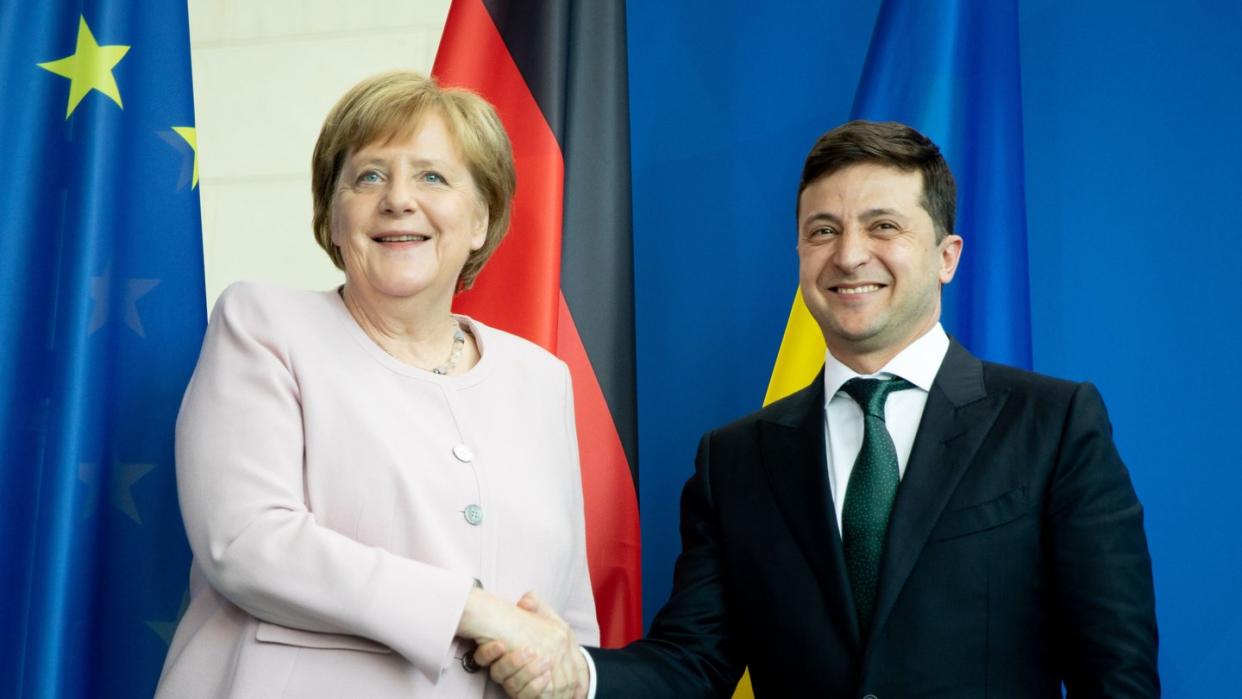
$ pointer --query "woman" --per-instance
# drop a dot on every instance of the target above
(368, 482)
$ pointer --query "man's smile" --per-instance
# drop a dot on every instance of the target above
(855, 289)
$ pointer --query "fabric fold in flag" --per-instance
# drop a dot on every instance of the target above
(952, 71)
(101, 316)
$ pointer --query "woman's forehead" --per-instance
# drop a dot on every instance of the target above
(402, 131)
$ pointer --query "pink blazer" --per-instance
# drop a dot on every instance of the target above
(340, 504)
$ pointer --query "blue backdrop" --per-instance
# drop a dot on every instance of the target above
(1129, 112)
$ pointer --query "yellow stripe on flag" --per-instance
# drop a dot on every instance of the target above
(798, 361)
(744, 690)
(801, 354)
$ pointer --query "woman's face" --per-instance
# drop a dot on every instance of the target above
(406, 215)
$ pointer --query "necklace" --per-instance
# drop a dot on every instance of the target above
(459, 343)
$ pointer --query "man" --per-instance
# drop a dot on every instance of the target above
(916, 522)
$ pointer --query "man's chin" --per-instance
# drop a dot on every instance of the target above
(854, 341)
(860, 333)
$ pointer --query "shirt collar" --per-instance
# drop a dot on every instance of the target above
(917, 363)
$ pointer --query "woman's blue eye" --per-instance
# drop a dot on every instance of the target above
(369, 177)
(434, 177)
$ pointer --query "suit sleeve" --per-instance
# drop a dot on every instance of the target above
(692, 648)
(1105, 601)
(239, 477)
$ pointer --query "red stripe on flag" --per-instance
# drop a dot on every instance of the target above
(520, 292)
(614, 546)
(519, 288)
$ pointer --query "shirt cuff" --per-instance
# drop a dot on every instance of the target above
(590, 671)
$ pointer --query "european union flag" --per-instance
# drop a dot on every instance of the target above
(951, 70)
(101, 315)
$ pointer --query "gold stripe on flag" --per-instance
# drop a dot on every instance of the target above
(801, 354)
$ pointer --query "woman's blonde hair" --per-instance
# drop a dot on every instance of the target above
(392, 105)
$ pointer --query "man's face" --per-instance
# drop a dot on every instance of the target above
(870, 268)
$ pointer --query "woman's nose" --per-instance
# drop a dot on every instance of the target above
(400, 197)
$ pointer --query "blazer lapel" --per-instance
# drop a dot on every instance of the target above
(957, 417)
(792, 448)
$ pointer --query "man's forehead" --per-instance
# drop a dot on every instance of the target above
(864, 188)
(882, 174)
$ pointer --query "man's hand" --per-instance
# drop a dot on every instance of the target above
(546, 665)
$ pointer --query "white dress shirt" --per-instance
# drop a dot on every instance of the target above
(843, 418)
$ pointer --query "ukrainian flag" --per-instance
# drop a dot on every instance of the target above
(950, 70)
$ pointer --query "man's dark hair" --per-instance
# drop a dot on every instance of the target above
(893, 144)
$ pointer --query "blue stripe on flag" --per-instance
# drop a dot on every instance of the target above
(951, 70)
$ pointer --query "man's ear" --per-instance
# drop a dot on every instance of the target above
(950, 254)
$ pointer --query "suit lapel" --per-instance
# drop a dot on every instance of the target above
(792, 448)
(957, 417)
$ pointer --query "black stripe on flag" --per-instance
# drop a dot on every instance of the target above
(573, 57)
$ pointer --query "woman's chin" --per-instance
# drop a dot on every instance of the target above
(407, 288)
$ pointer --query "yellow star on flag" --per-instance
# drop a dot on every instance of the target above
(190, 136)
(89, 68)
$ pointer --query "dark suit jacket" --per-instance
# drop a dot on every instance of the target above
(1015, 558)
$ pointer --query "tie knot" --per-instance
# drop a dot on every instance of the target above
(870, 394)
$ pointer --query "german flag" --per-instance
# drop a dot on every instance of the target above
(556, 72)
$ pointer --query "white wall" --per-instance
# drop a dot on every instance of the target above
(265, 75)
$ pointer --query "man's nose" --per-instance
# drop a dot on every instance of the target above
(852, 250)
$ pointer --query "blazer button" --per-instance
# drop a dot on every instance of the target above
(473, 515)
(870, 696)
(463, 453)
(468, 664)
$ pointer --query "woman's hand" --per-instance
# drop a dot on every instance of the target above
(545, 660)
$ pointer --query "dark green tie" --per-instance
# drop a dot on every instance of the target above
(869, 495)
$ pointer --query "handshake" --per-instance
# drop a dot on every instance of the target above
(528, 648)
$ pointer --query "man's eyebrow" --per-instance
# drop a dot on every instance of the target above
(819, 216)
(878, 213)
